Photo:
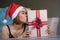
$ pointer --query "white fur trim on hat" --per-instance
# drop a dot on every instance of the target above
(4, 21)
(17, 11)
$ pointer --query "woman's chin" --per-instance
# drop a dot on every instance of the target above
(25, 22)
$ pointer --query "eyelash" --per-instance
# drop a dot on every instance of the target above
(23, 13)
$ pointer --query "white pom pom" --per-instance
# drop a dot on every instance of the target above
(4, 21)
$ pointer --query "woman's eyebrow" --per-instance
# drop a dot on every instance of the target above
(23, 11)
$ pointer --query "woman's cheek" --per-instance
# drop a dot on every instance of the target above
(23, 18)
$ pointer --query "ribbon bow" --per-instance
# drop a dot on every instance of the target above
(36, 23)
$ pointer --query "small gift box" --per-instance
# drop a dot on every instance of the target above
(38, 22)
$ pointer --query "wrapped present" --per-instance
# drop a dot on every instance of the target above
(38, 22)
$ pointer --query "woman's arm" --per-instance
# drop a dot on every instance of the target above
(5, 32)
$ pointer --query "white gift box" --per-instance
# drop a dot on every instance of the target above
(34, 18)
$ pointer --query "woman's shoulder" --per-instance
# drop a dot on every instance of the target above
(5, 32)
(5, 28)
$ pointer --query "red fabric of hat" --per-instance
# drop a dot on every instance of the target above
(12, 11)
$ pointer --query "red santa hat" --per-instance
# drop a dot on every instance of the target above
(12, 11)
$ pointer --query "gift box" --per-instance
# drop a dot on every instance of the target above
(38, 22)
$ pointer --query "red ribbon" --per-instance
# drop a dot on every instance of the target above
(37, 23)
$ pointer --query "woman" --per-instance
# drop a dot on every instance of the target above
(19, 28)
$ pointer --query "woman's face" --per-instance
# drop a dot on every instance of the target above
(23, 16)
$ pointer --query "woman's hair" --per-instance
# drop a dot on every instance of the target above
(17, 21)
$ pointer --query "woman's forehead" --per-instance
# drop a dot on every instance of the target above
(23, 10)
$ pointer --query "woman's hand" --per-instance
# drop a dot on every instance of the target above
(25, 34)
(48, 31)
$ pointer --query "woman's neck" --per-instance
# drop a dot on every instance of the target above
(18, 27)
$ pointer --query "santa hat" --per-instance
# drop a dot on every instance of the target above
(12, 11)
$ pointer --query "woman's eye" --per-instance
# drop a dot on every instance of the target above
(26, 13)
(23, 13)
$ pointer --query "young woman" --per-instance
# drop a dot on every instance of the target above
(19, 27)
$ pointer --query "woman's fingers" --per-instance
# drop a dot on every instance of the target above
(27, 33)
(48, 31)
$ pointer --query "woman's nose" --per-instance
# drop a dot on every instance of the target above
(26, 16)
